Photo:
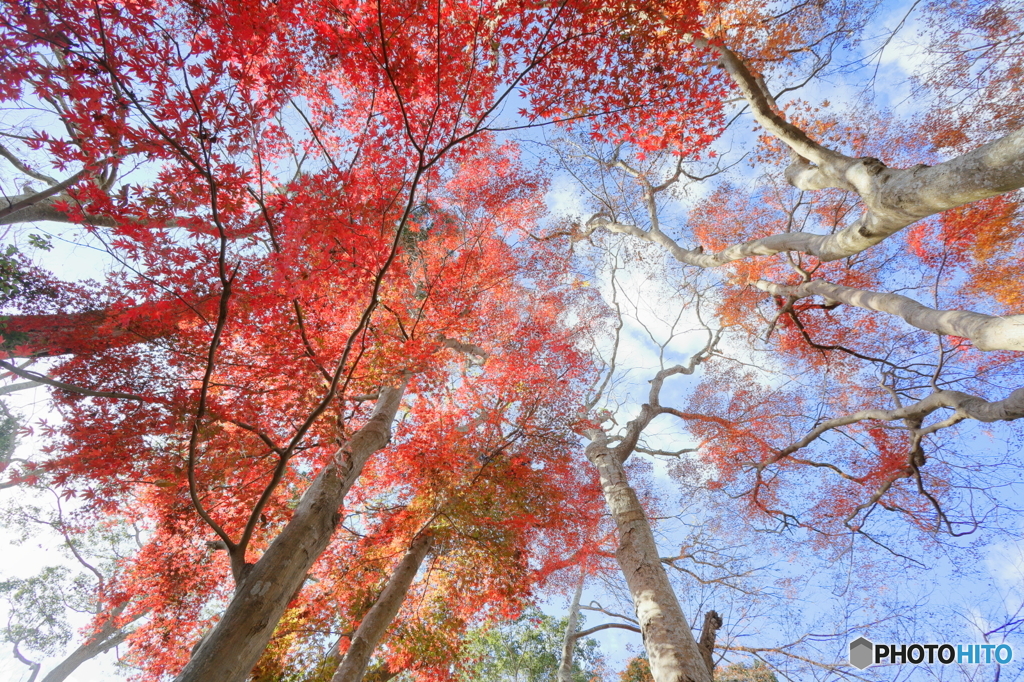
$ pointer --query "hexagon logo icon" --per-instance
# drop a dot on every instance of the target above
(862, 653)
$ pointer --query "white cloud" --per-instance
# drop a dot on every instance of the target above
(563, 198)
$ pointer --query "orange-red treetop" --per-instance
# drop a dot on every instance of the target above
(302, 203)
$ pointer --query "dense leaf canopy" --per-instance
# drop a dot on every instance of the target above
(336, 335)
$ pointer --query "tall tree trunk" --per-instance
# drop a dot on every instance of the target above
(101, 641)
(94, 647)
(232, 648)
(383, 611)
(671, 649)
(569, 643)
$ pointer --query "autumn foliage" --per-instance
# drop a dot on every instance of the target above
(304, 206)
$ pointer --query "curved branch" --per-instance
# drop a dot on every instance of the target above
(600, 609)
(793, 137)
(71, 388)
(23, 201)
(986, 332)
(966, 406)
(605, 626)
(23, 167)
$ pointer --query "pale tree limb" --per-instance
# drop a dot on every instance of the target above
(85, 652)
(893, 198)
(664, 453)
(71, 388)
(607, 626)
(569, 641)
(761, 105)
(106, 638)
(986, 332)
(599, 390)
(33, 666)
(11, 206)
(24, 167)
(37, 209)
(964, 405)
(598, 608)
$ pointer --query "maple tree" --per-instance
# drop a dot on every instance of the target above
(327, 307)
(310, 229)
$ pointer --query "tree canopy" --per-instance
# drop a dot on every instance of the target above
(363, 394)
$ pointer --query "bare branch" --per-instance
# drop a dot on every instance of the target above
(605, 626)
(24, 168)
(986, 332)
(20, 202)
(43, 379)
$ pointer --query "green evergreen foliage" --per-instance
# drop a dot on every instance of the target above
(37, 610)
(8, 434)
(528, 649)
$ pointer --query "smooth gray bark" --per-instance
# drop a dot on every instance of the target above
(383, 611)
(964, 406)
(98, 644)
(42, 209)
(893, 198)
(986, 332)
(101, 641)
(569, 642)
(229, 652)
(39, 205)
(672, 651)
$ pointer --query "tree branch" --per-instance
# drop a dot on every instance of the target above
(42, 379)
(986, 332)
(16, 204)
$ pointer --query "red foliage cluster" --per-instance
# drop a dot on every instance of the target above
(306, 206)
